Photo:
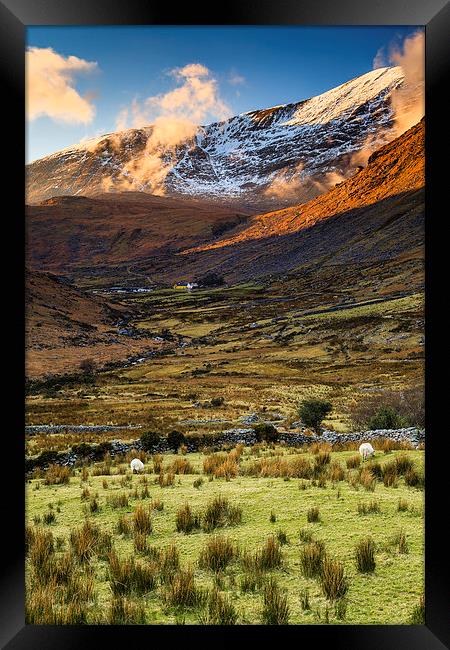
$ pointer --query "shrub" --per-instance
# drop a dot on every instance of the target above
(265, 432)
(333, 580)
(57, 475)
(365, 555)
(186, 521)
(313, 411)
(149, 440)
(407, 407)
(217, 554)
(175, 439)
(276, 608)
(313, 514)
(219, 513)
(386, 417)
(311, 558)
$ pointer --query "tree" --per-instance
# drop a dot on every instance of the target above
(211, 280)
(265, 432)
(313, 411)
(150, 439)
(175, 439)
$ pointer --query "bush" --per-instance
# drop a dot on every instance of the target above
(175, 439)
(150, 439)
(365, 555)
(386, 417)
(211, 279)
(313, 411)
(265, 432)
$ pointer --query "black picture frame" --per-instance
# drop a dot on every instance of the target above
(15, 16)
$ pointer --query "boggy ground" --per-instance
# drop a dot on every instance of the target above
(271, 506)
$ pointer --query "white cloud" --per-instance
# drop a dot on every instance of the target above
(50, 87)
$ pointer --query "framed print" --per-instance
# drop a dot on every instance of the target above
(225, 377)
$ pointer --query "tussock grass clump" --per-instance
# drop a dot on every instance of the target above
(272, 517)
(122, 611)
(269, 556)
(418, 613)
(220, 513)
(365, 555)
(333, 580)
(367, 479)
(102, 469)
(186, 520)
(322, 459)
(413, 478)
(403, 505)
(140, 542)
(312, 556)
(89, 540)
(118, 500)
(305, 535)
(157, 460)
(353, 462)
(40, 549)
(157, 504)
(278, 467)
(228, 469)
(94, 505)
(197, 483)
(336, 472)
(124, 525)
(252, 581)
(282, 537)
(86, 494)
(181, 466)
(183, 592)
(49, 517)
(313, 514)
(166, 480)
(340, 608)
(127, 575)
(390, 474)
(371, 507)
(142, 521)
(44, 607)
(218, 553)
(169, 562)
(403, 464)
(399, 540)
(57, 475)
(304, 600)
(276, 609)
(220, 610)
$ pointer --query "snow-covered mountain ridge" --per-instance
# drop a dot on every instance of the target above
(265, 157)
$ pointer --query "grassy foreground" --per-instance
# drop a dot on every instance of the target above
(271, 506)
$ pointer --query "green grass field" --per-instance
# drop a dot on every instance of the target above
(385, 596)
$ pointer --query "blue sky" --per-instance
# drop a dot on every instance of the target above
(254, 67)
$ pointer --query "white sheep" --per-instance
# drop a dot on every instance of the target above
(366, 450)
(136, 465)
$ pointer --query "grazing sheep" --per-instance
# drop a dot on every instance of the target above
(137, 465)
(366, 450)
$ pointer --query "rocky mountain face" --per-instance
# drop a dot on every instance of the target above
(264, 159)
